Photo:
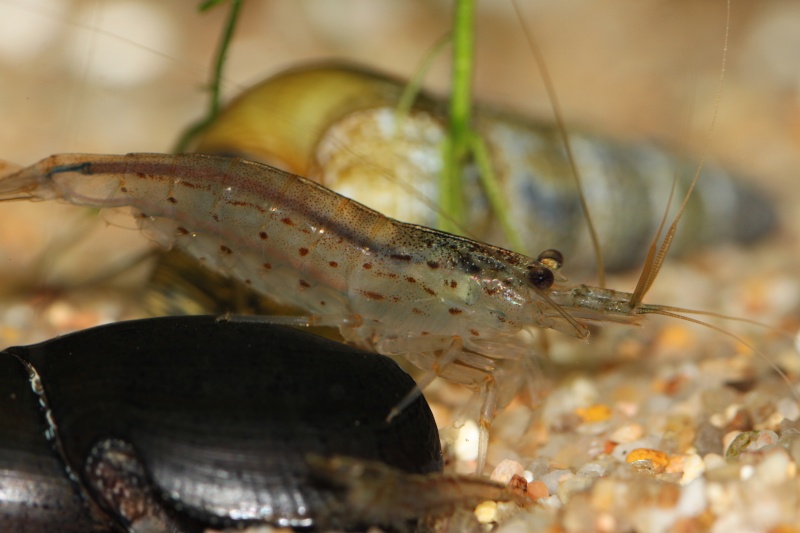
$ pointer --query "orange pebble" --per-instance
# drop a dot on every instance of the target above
(595, 413)
(536, 490)
(659, 459)
(608, 446)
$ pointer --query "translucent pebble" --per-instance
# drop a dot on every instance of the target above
(790, 439)
(554, 478)
(538, 467)
(708, 439)
(766, 438)
(750, 441)
(591, 470)
(573, 485)
(788, 436)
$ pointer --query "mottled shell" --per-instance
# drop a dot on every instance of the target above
(339, 126)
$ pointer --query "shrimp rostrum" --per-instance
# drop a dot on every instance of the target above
(453, 306)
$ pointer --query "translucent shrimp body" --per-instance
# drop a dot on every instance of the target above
(452, 305)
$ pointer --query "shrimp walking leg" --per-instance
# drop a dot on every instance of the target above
(442, 361)
(488, 408)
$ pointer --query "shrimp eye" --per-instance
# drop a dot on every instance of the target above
(540, 277)
(552, 259)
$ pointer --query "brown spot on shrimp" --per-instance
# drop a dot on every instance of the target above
(430, 291)
(225, 250)
(190, 185)
(401, 257)
(333, 264)
(474, 333)
(455, 311)
(288, 221)
(303, 251)
(172, 199)
(367, 266)
(240, 203)
(267, 266)
(433, 265)
(263, 235)
(180, 230)
(372, 295)
(304, 284)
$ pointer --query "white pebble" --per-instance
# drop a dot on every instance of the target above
(693, 467)
(713, 460)
(507, 469)
(788, 408)
(627, 433)
(774, 468)
(692, 501)
(466, 445)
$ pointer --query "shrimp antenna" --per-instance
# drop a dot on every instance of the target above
(655, 254)
(680, 314)
(562, 130)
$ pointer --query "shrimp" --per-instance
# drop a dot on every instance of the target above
(453, 306)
